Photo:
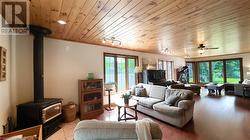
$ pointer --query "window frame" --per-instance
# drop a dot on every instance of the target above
(196, 67)
(105, 54)
(162, 68)
(194, 71)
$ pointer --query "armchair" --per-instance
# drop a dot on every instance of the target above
(239, 90)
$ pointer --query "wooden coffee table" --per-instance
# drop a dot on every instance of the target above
(126, 116)
(216, 88)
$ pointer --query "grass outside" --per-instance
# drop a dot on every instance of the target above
(233, 80)
(229, 80)
(221, 80)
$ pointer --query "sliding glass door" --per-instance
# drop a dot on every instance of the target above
(120, 70)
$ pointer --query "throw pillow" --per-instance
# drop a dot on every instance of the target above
(171, 100)
(141, 92)
(246, 81)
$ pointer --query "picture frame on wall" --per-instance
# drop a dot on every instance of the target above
(3, 63)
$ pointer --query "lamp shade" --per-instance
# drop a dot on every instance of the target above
(150, 67)
(109, 86)
(138, 69)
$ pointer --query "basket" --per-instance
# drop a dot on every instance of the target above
(69, 112)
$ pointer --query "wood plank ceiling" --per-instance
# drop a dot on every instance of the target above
(150, 25)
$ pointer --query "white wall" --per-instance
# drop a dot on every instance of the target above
(5, 41)
(244, 56)
(65, 63)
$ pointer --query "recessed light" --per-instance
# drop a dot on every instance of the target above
(104, 41)
(62, 22)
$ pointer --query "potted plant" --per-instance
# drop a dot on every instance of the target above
(126, 97)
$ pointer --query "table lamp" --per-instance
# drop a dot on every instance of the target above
(109, 87)
(138, 71)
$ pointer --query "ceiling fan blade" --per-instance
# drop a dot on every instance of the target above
(191, 47)
(211, 48)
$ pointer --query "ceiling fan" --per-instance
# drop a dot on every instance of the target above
(202, 48)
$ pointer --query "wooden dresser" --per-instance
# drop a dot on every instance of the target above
(90, 98)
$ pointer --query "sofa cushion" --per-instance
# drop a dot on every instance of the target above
(157, 92)
(168, 110)
(137, 98)
(140, 91)
(148, 102)
(171, 100)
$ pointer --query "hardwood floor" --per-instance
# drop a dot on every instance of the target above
(215, 118)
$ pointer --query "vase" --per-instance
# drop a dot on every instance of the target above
(126, 101)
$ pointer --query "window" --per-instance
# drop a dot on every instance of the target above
(190, 74)
(167, 66)
(109, 69)
(131, 72)
(120, 69)
(217, 72)
(233, 71)
(160, 64)
(204, 72)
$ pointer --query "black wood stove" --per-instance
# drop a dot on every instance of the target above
(45, 111)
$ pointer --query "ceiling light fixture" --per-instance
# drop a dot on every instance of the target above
(62, 22)
(166, 51)
(201, 51)
(112, 40)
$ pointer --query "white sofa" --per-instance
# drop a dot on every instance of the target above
(108, 130)
(154, 104)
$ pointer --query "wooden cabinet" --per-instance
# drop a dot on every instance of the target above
(90, 98)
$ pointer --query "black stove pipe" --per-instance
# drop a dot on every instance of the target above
(39, 33)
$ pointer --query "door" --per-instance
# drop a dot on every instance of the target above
(121, 73)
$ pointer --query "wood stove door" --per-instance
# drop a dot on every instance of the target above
(51, 112)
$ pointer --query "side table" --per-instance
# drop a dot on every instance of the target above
(131, 105)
